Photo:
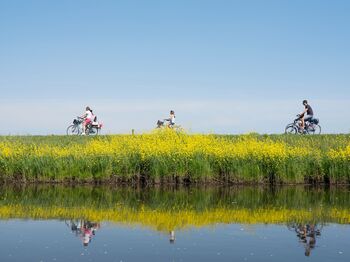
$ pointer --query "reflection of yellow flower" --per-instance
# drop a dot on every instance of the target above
(165, 220)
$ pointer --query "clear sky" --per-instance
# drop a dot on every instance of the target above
(223, 66)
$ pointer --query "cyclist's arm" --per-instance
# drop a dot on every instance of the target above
(304, 112)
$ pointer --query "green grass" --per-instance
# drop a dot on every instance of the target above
(122, 159)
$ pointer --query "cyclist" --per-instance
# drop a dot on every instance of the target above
(309, 114)
(87, 116)
(171, 119)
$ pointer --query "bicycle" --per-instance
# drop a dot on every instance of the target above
(311, 127)
(76, 128)
(163, 124)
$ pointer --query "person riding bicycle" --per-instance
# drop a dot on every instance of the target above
(309, 114)
(88, 118)
(171, 119)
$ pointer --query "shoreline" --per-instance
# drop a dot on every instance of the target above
(137, 182)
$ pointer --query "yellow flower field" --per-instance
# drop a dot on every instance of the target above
(167, 154)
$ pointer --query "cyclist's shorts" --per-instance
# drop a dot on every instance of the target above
(308, 118)
(87, 121)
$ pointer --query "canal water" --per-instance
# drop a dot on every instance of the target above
(60, 223)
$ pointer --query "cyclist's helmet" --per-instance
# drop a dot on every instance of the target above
(304, 102)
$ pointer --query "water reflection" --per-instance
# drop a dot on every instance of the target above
(302, 210)
(172, 237)
(307, 234)
(169, 209)
(84, 230)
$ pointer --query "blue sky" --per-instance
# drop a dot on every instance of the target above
(223, 66)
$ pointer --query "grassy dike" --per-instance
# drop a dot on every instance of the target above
(169, 157)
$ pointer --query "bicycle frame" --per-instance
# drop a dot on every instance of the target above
(309, 127)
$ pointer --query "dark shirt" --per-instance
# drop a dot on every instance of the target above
(309, 111)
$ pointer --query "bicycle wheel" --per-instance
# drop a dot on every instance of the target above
(93, 131)
(290, 129)
(73, 130)
(318, 129)
(314, 130)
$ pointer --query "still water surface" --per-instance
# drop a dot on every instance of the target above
(186, 224)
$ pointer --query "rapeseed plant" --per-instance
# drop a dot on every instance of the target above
(172, 156)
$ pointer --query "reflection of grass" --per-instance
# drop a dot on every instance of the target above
(174, 209)
(169, 156)
(167, 220)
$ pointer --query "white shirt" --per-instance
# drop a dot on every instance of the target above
(88, 115)
(172, 119)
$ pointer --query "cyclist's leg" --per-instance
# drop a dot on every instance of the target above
(168, 123)
(302, 123)
(86, 122)
(308, 119)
